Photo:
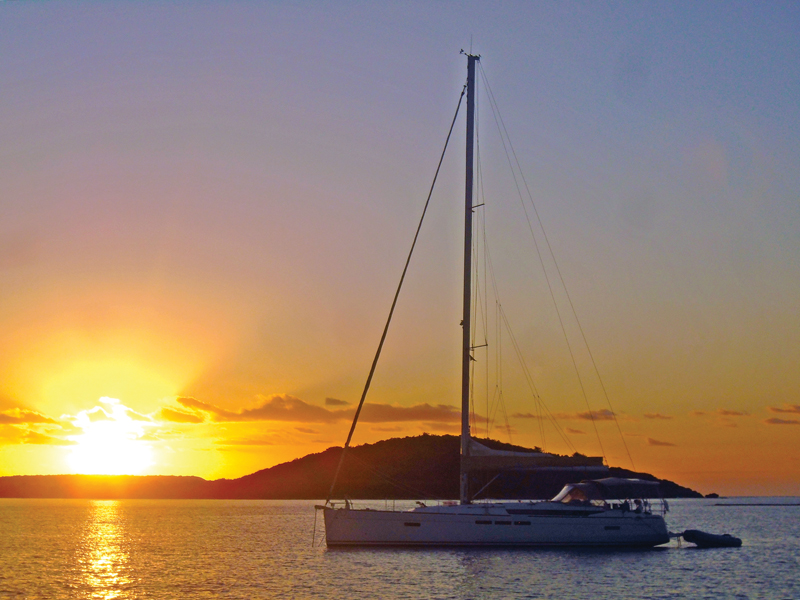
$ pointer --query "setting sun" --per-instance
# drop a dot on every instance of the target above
(110, 442)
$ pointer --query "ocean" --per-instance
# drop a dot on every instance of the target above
(163, 549)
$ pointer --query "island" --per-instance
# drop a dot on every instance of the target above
(419, 467)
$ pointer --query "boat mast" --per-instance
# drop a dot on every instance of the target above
(466, 355)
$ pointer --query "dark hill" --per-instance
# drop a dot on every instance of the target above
(424, 466)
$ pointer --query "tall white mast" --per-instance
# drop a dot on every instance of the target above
(466, 319)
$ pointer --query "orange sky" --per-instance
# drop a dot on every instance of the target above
(205, 212)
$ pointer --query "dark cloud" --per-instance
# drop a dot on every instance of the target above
(589, 415)
(656, 416)
(291, 409)
(178, 416)
(652, 442)
(731, 413)
(386, 413)
(306, 430)
(787, 408)
(776, 421)
(574, 431)
(335, 402)
(697, 413)
(18, 416)
(525, 416)
(275, 408)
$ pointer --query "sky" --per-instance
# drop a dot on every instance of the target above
(206, 207)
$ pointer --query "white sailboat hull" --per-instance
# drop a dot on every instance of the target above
(491, 525)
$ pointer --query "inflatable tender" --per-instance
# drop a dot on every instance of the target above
(711, 540)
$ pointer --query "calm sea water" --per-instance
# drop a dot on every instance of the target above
(263, 549)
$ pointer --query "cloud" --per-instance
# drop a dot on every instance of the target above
(590, 415)
(18, 416)
(587, 415)
(387, 413)
(33, 437)
(306, 430)
(386, 429)
(96, 414)
(335, 402)
(697, 413)
(525, 416)
(732, 413)
(16, 435)
(178, 416)
(282, 407)
(657, 416)
(787, 408)
(574, 431)
(652, 442)
(776, 421)
(276, 408)
(136, 416)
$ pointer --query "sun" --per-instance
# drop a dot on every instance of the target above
(111, 441)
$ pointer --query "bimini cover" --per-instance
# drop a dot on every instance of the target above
(610, 488)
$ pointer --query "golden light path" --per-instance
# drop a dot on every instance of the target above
(111, 441)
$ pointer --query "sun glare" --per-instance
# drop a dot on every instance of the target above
(111, 441)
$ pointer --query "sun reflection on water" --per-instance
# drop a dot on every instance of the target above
(104, 560)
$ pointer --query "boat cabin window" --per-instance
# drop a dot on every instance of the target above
(577, 493)
(575, 496)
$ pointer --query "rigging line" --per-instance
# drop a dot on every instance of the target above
(501, 318)
(394, 302)
(481, 224)
(532, 384)
(502, 130)
(558, 270)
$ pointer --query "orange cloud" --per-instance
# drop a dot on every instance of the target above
(732, 413)
(32, 437)
(652, 442)
(658, 416)
(787, 408)
(178, 416)
(574, 431)
(18, 416)
(306, 430)
(335, 402)
(14, 435)
(589, 415)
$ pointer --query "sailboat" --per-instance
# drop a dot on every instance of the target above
(601, 512)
